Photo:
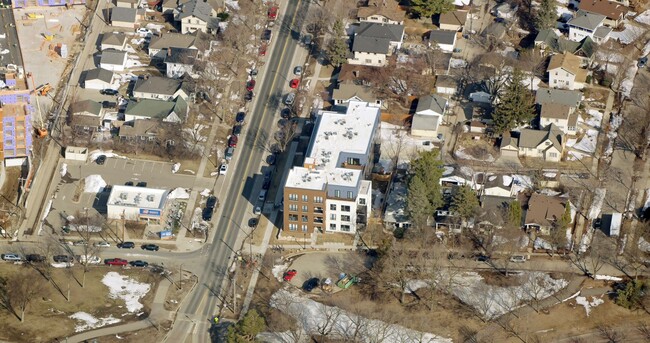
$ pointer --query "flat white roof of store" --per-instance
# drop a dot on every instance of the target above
(141, 197)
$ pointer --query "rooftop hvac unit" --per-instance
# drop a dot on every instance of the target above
(137, 198)
(150, 197)
(123, 196)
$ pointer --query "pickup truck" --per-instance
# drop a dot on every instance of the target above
(116, 262)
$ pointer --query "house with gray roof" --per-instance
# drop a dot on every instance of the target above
(547, 143)
(173, 111)
(197, 15)
(113, 40)
(558, 96)
(160, 44)
(373, 43)
(444, 40)
(124, 17)
(113, 60)
(98, 78)
(180, 61)
(428, 116)
(159, 88)
(558, 107)
(86, 108)
(587, 24)
(549, 40)
(347, 92)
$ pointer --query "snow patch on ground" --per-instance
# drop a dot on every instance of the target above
(597, 204)
(94, 184)
(589, 304)
(628, 83)
(608, 278)
(507, 180)
(179, 193)
(588, 142)
(460, 153)
(456, 63)
(96, 153)
(311, 315)
(595, 118)
(644, 245)
(176, 167)
(279, 269)
(643, 18)
(448, 170)
(63, 170)
(127, 289)
(646, 49)
(630, 34)
(647, 199)
(87, 321)
(206, 192)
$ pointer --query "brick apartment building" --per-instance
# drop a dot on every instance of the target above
(329, 193)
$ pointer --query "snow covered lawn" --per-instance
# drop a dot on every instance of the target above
(643, 18)
(86, 321)
(631, 33)
(127, 289)
(589, 304)
(588, 142)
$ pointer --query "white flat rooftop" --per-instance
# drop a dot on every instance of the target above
(336, 133)
(141, 197)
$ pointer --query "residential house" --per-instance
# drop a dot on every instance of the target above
(180, 61)
(139, 130)
(558, 107)
(505, 10)
(85, 123)
(98, 78)
(564, 72)
(445, 40)
(428, 116)
(197, 15)
(357, 74)
(159, 45)
(113, 60)
(480, 96)
(127, 3)
(159, 88)
(329, 192)
(347, 92)
(494, 31)
(173, 111)
(86, 108)
(168, 6)
(395, 215)
(547, 144)
(476, 126)
(548, 40)
(382, 12)
(613, 11)
(586, 24)
(373, 43)
(113, 40)
(496, 185)
(446, 85)
(492, 213)
(124, 17)
(543, 212)
(453, 21)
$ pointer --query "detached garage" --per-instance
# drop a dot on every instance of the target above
(136, 203)
(98, 79)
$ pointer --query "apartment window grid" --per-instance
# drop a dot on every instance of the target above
(305, 198)
(318, 200)
(305, 208)
(293, 217)
(293, 227)
(337, 193)
(333, 216)
(345, 208)
(304, 219)
(350, 194)
(293, 207)
(345, 228)
(333, 207)
(293, 197)
(345, 218)
(304, 228)
(333, 227)
(362, 201)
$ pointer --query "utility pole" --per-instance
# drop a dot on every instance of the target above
(180, 276)
(234, 291)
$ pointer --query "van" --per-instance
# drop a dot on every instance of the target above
(89, 259)
(262, 195)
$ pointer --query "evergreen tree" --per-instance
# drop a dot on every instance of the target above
(631, 297)
(565, 220)
(337, 49)
(427, 8)
(429, 169)
(514, 213)
(464, 202)
(516, 105)
(418, 206)
(246, 329)
(546, 15)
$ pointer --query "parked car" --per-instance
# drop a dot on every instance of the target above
(116, 262)
(273, 12)
(239, 118)
(126, 245)
(267, 35)
(297, 70)
(307, 39)
(102, 244)
(12, 257)
(310, 284)
(141, 184)
(643, 61)
(101, 159)
(291, 97)
(236, 130)
(211, 202)
(35, 258)
(253, 72)
(285, 113)
(108, 104)
(232, 142)
(207, 214)
(150, 247)
(271, 159)
(84, 259)
(257, 211)
(80, 243)
(249, 96)
(290, 274)
(128, 183)
(108, 91)
(518, 258)
(482, 258)
(62, 258)
(250, 85)
(139, 263)
(253, 222)
(294, 83)
(229, 152)
(223, 170)
(262, 50)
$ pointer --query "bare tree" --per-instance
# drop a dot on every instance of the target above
(24, 287)
(610, 334)
(330, 316)
(644, 330)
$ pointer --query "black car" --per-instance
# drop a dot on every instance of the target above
(126, 245)
(482, 258)
(310, 284)
(62, 258)
(211, 202)
(266, 35)
(150, 247)
(252, 222)
(236, 130)
(271, 159)
(240, 117)
(129, 183)
(35, 258)
(141, 184)
(139, 263)
(207, 214)
(285, 113)
(109, 104)
(249, 96)
(229, 152)
(101, 159)
(266, 184)
(108, 92)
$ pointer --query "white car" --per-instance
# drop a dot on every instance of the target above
(518, 258)
(103, 244)
(223, 170)
(12, 257)
(257, 211)
(297, 70)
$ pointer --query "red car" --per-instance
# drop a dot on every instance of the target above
(232, 142)
(273, 13)
(289, 274)
(263, 50)
(251, 85)
(116, 262)
(294, 83)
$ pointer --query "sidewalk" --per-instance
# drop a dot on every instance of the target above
(158, 314)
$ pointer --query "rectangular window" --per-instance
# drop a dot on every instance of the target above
(353, 161)
(293, 227)
(333, 207)
(305, 198)
(333, 227)
(318, 200)
(305, 208)
(304, 219)
(337, 193)
(333, 216)
(345, 208)
(362, 201)
(345, 218)
(350, 195)
(368, 61)
(304, 228)
(345, 228)
(293, 197)
(293, 217)
(552, 154)
(293, 207)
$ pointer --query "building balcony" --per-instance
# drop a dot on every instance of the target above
(318, 210)
(318, 220)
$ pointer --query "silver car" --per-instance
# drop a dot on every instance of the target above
(12, 257)
(291, 97)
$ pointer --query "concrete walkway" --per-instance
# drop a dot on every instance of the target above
(158, 314)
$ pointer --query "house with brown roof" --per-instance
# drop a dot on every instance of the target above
(347, 92)
(143, 130)
(543, 212)
(564, 72)
(382, 12)
(453, 21)
(614, 12)
(357, 74)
